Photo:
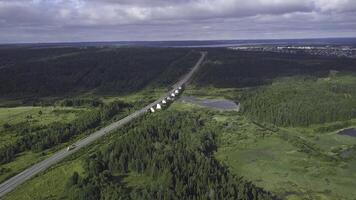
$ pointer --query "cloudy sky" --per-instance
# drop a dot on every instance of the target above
(113, 20)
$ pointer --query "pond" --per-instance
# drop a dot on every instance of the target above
(350, 132)
(220, 104)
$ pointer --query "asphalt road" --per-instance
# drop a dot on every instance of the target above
(20, 178)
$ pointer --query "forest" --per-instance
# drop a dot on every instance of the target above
(27, 72)
(284, 89)
(302, 101)
(238, 69)
(173, 151)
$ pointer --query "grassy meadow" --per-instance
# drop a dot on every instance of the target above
(36, 116)
(29, 117)
(295, 162)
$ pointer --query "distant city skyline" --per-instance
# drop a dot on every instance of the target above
(34, 21)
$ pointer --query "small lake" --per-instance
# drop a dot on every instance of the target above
(220, 104)
(350, 132)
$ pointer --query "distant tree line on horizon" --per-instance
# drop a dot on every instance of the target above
(230, 68)
(101, 70)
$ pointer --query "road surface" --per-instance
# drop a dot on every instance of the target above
(20, 178)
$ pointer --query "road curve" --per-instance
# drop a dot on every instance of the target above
(25, 175)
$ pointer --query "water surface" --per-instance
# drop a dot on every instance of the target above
(350, 132)
(220, 104)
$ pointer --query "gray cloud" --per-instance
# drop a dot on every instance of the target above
(81, 20)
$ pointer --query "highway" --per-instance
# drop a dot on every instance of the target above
(30, 172)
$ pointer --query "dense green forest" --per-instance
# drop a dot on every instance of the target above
(33, 72)
(173, 152)
(80, 102)
(314, 93)
(13, 55)
(230, 68)
(302, 101)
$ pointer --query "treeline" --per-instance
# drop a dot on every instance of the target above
(40, 138)
(302, 101)
(230, 68)
(178, 68)
(80, 102)
(333, 127)
(13, 55)
(173, 152)
(101, 70)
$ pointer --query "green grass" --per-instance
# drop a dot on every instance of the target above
(26, 159)
(294, 163)
(21, 162)
(327, 140)
(277, 165)
(49, 185)
(141, 181)
(31, 116)
(213, 93)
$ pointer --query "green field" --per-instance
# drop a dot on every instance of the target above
(50, 185)
(299, 162)
(274, 161)
(31, 114)
(35, 116)
(294, 163)
(30, 117)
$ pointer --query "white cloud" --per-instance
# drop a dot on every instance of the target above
(123, 12)
(263, 16)
(335, 5)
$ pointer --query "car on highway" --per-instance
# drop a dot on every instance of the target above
(71, 147)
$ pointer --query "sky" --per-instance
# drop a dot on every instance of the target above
(157, 20)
